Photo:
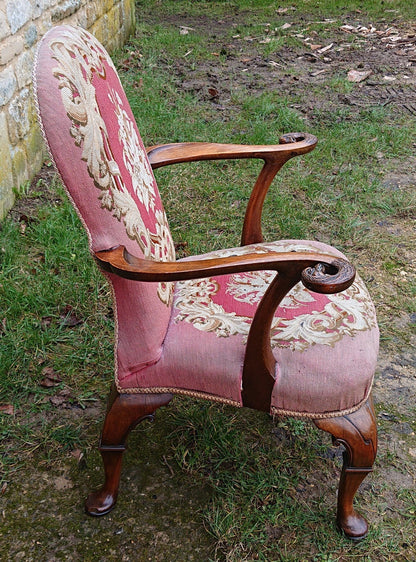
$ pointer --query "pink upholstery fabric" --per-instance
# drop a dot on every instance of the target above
(325, 346)
(93, 140)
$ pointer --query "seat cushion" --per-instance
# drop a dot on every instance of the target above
(325, 345)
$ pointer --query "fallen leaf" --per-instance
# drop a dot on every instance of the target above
(325, 49)
(213, 92)
(51, 378)
(184, 29)
(317, 72)
(69, 318)
(315, 47)
(358, 76)
(7, 409)
(79, 456)
(286, 26)
(3, 488)
(348, 28)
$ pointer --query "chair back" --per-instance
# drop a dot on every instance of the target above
(94, 143)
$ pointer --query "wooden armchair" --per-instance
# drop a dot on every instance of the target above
(281, 327)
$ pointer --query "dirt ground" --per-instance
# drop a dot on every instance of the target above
(386, 52)
(43, 516)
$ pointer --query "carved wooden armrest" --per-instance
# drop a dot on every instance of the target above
(290, 145)
(321, 273)
(274, 156)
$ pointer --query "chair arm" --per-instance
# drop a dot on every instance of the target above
(290, 145)
(274, 156)
(319, 272)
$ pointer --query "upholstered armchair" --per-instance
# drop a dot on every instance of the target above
(283, 327)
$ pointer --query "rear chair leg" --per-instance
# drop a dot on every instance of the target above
(358, 433)
(124, 412)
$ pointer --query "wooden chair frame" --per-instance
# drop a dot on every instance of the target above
(357, 430)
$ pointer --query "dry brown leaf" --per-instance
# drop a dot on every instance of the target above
(51, 378)
(78, 454)
(69, 318)
(213, 92)
(357, 75)
(327, 48)
(184, 29)
(7, 409)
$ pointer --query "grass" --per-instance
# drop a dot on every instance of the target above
(268, 486)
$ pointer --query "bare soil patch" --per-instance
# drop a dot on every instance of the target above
(386, 52)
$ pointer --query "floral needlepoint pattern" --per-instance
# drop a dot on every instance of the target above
(82, 67)
(302, 319)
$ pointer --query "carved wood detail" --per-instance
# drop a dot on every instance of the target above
(358, 433)
(124, 412)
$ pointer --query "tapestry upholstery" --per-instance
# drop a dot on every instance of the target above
(104, 167)
(188, 337)
(321, 342)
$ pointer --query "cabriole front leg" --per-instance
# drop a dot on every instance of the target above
(124, 412)
(358, 433)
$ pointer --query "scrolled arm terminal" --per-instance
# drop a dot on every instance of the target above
(329, 278)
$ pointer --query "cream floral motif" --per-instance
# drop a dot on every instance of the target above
(79, 56)
(344, 313)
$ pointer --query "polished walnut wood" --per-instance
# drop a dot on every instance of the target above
(124, 412)
(318, 272)
(358, 433)
(274, 156)
(339, 273)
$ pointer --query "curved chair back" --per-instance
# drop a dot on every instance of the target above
(93, 140)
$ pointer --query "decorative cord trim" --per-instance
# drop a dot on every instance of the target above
(273, 410)
(323, 415)
(181, 391)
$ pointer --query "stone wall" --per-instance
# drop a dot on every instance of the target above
(22, 24)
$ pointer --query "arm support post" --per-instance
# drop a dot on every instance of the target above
(274, 156)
